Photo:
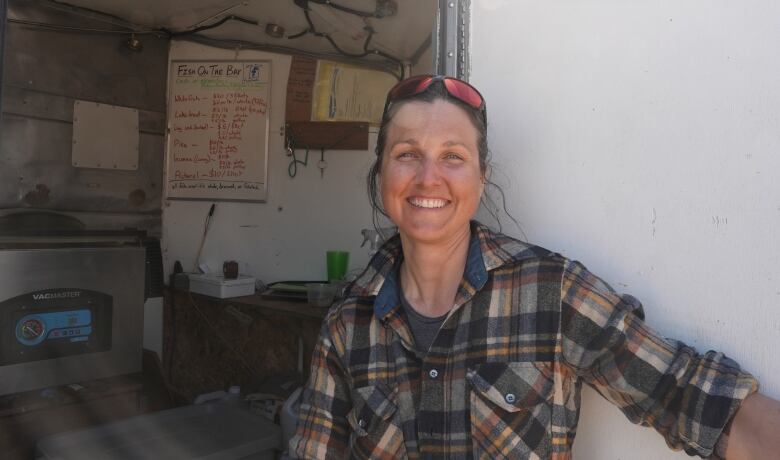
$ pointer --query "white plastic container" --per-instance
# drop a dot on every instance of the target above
(218, 286)
(289, 417)
(206, 432)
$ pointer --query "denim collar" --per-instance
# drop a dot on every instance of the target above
(475, 274)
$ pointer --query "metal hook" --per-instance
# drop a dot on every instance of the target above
(322, 163)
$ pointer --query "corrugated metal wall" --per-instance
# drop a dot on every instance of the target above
(45, 72)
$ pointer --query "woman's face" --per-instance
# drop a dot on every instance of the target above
(431, 181)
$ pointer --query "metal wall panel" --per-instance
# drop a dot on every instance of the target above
(3, 12)
(452, 38)
(45, 72)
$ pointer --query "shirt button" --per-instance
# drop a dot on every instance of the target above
(510, 398)
(362, 423)
(433, 373)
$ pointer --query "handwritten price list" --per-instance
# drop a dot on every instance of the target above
(218, 130)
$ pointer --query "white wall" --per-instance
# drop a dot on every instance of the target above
(643, 138)
(286, 237)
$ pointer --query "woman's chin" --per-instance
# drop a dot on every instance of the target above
(432, 232)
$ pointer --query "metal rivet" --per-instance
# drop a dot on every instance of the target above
(433, 373)
(451, 5)
(450, 54)
(510, 398)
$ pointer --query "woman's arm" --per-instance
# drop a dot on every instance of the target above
(687, 397)
(755, 431)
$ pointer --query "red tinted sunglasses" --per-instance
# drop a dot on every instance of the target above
(458, 89)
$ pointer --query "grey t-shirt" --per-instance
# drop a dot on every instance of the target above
(424, 328)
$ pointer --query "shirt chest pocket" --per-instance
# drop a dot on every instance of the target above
(511, 410)
(375, 432)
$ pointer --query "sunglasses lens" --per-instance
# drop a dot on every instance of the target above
(464, 92)
(456, 88)
(409, 87)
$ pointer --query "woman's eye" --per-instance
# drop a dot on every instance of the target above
(452, 156)
(406, 155)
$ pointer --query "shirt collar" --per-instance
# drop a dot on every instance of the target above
(487, 251)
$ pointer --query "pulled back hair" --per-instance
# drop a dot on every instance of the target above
(436, 91)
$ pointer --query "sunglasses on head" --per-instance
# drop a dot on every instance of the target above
(458, 89)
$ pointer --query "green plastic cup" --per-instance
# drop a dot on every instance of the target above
(337, 265)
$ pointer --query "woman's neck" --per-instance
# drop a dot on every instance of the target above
(431, 273)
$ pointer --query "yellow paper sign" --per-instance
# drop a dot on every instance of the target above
(344, 92)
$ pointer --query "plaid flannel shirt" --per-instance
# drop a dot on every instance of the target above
(503, 376)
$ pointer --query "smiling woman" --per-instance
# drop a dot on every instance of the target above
(460, 342)
(431, 184)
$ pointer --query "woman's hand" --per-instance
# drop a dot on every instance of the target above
(755, 431)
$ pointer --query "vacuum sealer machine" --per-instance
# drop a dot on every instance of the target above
(71, 307)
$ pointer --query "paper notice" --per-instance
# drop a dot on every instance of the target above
(344, 92)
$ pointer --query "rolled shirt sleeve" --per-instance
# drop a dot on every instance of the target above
(687, 397)
(323, 430)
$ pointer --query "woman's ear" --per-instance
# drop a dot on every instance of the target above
(486, 175)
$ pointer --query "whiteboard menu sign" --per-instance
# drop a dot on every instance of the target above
(217, 146)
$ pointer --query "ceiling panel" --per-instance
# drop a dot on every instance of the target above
(400, 35)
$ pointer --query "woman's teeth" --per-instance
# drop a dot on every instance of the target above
(427, 202)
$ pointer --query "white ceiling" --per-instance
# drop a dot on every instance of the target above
(401, 35)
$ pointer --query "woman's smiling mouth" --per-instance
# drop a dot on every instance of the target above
(427, 203)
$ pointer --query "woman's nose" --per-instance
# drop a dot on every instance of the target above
(428, 173)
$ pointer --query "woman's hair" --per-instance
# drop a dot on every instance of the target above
(435, 91)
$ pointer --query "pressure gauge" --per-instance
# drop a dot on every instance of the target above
(30, 330)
